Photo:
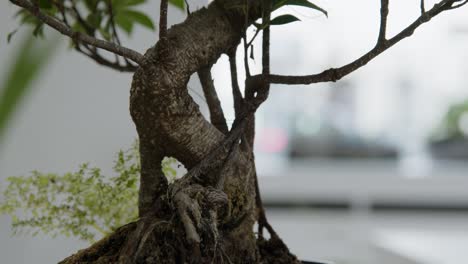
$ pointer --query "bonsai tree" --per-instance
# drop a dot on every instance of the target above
(209, 214)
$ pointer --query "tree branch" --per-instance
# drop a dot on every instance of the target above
(105, 62)
(78, 36)
(266, 37)
(89, 29)
(383, 21)
(214, 105)
(236, 93)
(163, 20)
(462, 3)
(266, 17)
(334, 74)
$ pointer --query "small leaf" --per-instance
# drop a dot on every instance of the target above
(283, 19)
(46, 4)
(138, 17)
(124, 23)
(123, 4)
(39, 30)
(134, 2)
(304, 3)
(94, 19)
(178, 3)
(105, 34)
(11, 34)
(91, 5)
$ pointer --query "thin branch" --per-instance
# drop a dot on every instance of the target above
(115, 37)
(246, 45)
(246, 56)
(214, 105)
(61, 8)
(383, 21)
(105, 62)
(459, 5)
(334, 74)
(163, 20)
(236, 93)
(266, 37)
(78, 36)
(254, 36)
(188, 7)
(250, 135)
(423, 7)
(89, 29)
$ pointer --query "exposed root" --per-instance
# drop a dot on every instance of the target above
(197, 225)
(274, 251)
(105, 250)
(163, 242)
(198, 209)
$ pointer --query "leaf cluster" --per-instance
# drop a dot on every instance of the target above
(92, 17)
(82, 204)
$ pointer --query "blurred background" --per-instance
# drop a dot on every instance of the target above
(371, 169)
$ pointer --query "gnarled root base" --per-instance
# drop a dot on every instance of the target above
(163, 241)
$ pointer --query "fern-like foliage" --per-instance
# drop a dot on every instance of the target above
(83, 204)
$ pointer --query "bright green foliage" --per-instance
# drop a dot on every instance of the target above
(82, 204)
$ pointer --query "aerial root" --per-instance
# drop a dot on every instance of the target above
(200, 209)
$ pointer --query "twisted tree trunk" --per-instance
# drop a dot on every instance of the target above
(207, 216)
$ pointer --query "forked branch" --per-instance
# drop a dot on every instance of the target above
(334, 74)
(383, 21)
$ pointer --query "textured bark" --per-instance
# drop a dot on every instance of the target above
(208, 215)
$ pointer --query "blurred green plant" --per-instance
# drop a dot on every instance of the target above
(31, 59)
(83, 204)
(454, 124)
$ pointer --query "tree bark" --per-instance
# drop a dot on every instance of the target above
(208, 215)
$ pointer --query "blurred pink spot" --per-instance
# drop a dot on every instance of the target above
(271, 140)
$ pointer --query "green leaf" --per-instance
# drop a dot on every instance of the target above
(46, 4)
(283, 19)
(178, 3)
(304, 3)
(105, 34)
(11, 34)
(91, 4)
(94, 19)
(122, 4)
(39, 30)
(133, 2)
(124, 23)
(138, 17)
